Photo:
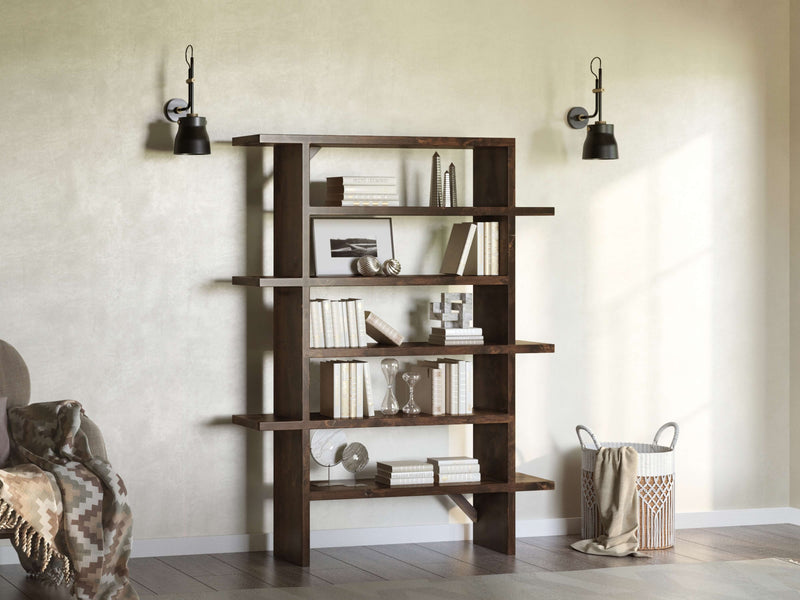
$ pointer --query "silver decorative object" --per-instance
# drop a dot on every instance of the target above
(391, 267)
(447, 189)
(354, 459)
(454, 311)
(368, 266)
(436, 181)
(453, 195)
(327, 448)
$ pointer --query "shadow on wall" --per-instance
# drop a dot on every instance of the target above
(258, 339)
(159, 137)
(567, 476)
(159, 132)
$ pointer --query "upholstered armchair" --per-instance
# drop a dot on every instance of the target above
(62, 505)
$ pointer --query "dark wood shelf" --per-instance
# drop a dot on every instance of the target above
(270, 422)
(267, 281)
(355, 281)
(425, 349)
(267, 422)
(372, 141)
(369, 488)
(400, 420)
(427, 211)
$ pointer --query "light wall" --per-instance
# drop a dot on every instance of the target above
(663, 279)
(795, 250)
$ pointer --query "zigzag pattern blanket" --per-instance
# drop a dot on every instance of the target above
(92, 539)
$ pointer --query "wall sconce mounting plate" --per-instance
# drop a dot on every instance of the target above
(578, 117)
(175, 109)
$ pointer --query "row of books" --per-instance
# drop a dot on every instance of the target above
(444, 386)
(362, 190)
(345, 390)
(338, 323)
(436, 470)
(473, 249)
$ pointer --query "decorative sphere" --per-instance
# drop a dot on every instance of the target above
(368, 266)
(391, 267)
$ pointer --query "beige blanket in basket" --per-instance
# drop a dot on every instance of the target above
(615, 472)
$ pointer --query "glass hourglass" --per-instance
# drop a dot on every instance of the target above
(390, 367)
(411, 379)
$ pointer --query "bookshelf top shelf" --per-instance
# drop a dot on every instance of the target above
(372, 141)
(356, 281)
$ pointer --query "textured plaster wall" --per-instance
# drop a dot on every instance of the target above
(663, 280)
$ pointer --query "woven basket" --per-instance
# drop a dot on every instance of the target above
(655, 482)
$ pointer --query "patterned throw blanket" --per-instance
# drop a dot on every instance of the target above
(68, 508)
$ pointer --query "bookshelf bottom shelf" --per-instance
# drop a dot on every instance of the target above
(369, 488)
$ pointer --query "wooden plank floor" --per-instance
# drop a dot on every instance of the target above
(252, 570)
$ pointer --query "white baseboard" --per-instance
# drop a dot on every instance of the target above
(422, 533)
(732, 518)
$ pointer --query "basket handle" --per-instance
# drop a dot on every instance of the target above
(661, 429)
(578, 430)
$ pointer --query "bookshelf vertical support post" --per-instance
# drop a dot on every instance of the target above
(291, 498)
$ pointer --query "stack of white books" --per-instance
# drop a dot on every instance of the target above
(404, 472)
(455, 469)
(456, 336)
(444, 386)
(345, 390)
(362, 190)
(338, 323)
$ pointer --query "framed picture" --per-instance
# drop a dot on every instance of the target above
(338, 243)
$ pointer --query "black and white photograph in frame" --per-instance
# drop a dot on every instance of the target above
(339, 243)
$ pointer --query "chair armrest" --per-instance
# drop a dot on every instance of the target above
(97, 445)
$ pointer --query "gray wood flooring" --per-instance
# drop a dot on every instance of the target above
(251, 570)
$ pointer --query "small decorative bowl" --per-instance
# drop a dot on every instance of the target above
(368, 266)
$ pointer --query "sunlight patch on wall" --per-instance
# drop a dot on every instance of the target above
(649, 301)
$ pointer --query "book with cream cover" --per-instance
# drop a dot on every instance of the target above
(380, 331)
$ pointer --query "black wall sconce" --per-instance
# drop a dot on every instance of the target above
(192, 137)
(600, 142)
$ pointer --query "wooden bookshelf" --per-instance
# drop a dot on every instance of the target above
(494, 363)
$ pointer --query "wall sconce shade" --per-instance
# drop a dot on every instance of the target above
(192, 137)
(600, 141)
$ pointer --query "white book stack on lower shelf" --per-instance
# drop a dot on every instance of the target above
(404, 472)
(455, 469)
(444, 387)
(345, 390)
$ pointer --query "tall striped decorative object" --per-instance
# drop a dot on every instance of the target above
(655, 482)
